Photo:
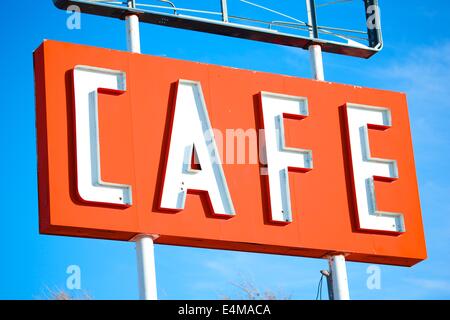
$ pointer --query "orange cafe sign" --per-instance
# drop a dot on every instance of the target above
(208, 156)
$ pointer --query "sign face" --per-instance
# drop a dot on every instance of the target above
(215, 157)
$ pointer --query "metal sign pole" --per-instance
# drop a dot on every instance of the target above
(144, 242)
(133, 39)
(315, 50)
(338, 275)
(146, 267)
(224, 10)
(337, 280)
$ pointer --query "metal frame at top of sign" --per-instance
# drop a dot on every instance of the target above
(221, 22)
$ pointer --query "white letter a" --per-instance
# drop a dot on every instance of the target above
(192, 132)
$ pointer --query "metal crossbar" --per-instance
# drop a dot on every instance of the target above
(283, 31)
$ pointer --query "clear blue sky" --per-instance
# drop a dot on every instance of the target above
(415, 60)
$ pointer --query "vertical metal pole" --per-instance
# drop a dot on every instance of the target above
(315, 51)
(146, 267)
(133, 37)
(312, 19)
(337, 281)
(144, 243)
(224, 10)
(339, 277)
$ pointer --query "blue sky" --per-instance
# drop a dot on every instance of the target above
(415, 60)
